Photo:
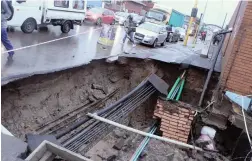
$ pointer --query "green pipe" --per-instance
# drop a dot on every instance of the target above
(143, 144)
(175, 91)
(173, 88)
(180, 89)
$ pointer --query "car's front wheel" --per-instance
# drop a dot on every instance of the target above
(164, 43)
(155, 43)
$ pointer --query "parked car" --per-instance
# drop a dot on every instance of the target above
(151, 34)
(121, 17)
(173, 35)
(100, 15)
(138, 19)
(30, 15)
(182, 33)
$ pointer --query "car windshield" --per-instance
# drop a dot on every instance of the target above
(150, 27)
(155, 15)
(96, 10)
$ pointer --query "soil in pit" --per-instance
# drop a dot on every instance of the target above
(32, 102)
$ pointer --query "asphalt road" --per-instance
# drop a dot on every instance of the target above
(84, 46)
(58, 55)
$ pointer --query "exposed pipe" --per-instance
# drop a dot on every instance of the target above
(180, 89)
(97, 130)
(143, 133)
(176, 90)
(68, 115)
(119, 113)
(123, 98)
(109, 128)
(212, 67)
(77, 142)
(171, 93)
(142, 145)
(77, 124)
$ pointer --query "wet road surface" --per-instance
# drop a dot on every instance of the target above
(79, 50)
(58, 55)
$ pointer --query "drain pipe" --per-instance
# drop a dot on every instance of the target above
(212, 66)
(95, 116)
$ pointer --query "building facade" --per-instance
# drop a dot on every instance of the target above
(130, 6)
(237, 52)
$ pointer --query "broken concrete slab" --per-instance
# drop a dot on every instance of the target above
(47, 151)
(35, 140)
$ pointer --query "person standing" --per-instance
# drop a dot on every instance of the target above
(6, 13)
(130, 26)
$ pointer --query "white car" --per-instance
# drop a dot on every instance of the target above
(182, 33)
(151, 34)
(121, 17)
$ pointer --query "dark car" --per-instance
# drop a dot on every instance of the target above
(100, 15)
(173, 34)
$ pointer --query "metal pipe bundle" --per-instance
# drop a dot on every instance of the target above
(119, 111)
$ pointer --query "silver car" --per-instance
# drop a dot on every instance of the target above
(121, 17)
(151, 34)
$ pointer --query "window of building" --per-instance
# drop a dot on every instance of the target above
(78, 4)
(61, 3)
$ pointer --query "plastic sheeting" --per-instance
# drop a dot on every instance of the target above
(238, 99)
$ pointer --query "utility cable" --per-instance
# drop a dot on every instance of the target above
(245, 122)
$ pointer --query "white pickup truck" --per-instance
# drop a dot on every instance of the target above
(31, 14)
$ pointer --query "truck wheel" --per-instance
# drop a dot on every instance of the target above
(29, 25)
(66, 27)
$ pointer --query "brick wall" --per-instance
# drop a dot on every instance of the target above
(237, 61)
(176, 119)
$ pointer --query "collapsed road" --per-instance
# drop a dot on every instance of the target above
(55, 103)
